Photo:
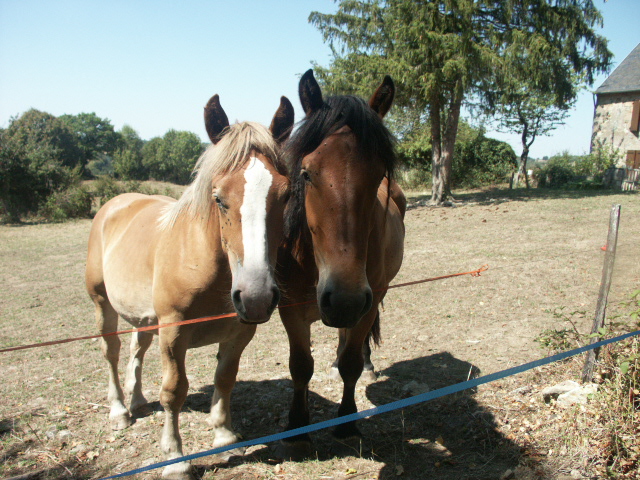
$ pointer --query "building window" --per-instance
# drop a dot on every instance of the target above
(635, 117)
(633, 159)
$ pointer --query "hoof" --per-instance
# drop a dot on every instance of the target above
(229, 454)
(295, 450)
(347, 433)
(334, 374)
(120, 422)
(368, 376)
(138, 403)
(178, 471)
(349, 447)
(225, 438)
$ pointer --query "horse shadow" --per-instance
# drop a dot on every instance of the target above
(453, 437)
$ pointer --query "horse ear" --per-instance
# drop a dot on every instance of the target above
(382, 98)
(282, 122)
(215, 120)
(310, 94)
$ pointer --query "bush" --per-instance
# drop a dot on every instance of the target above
(106, 187)
(101, 165)
(480, 161)
(413, 178)
(477, 161)
(73, 202)
(577, 171)
(558, 172)
(38, 157)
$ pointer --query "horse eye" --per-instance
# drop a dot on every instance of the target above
(305, 176)
(220, 203)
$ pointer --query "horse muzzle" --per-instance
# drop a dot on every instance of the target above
(341, 308)
(255, 301)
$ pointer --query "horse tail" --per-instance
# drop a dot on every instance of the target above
(374, 333)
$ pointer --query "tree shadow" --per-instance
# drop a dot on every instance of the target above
(19, 465)
(497, 195)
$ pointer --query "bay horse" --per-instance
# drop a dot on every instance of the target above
(152, 259)
(344, 235)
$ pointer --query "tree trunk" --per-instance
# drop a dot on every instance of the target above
(523, 165)
(443, 141)
(437, 181)
(522, 168)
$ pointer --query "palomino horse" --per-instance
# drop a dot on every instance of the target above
(344, 236)
(153, 259)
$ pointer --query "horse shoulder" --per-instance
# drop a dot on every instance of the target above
(191, 270)
(121, 253)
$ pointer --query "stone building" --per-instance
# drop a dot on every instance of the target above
(616, 122)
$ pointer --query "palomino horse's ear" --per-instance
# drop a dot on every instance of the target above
(215, 120)
(310, 94)
(282, 122)
(382, 98)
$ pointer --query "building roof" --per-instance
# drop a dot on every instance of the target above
(626, 76)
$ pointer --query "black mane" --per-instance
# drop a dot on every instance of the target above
(375, 144)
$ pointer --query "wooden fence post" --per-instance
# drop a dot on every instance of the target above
(605, 284)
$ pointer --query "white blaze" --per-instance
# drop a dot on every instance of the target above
(254, 215)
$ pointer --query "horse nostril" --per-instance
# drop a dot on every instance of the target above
(236, 297)
(275, 299)
(368, 301)
(325, 301)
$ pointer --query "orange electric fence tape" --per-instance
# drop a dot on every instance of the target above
(474, 273)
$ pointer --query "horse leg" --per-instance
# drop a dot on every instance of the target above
(107, 321)
(140, 342)
(368, 373)
(334, 374)
(173, 350)
(350, 365)
(301, 369)
(225, 378)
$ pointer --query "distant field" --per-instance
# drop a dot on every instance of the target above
(543, 250)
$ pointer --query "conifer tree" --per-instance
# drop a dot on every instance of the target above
(441, 52)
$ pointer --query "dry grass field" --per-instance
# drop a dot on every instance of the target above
(544, 255)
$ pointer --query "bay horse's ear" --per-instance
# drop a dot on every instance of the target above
(382, 98)
(215, 120)
(310, 94)
(282, 122)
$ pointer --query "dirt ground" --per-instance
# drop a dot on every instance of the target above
(544, 256)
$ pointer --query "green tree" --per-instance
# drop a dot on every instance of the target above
(552, 53)
(35, 129)
(443, 51)
(529, 117)
(173, 157)
(127, 160)
(151, 162)
(95, 136)
(37, 152)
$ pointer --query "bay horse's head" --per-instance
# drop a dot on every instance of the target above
(337, 158)
(250, 192)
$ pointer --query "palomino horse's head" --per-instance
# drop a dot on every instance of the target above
(338, 158)
(250, 193)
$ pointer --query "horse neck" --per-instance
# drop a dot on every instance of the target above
(206, 230)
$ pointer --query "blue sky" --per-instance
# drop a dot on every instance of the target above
(154, 64)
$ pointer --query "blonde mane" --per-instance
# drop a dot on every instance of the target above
(229, 154)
